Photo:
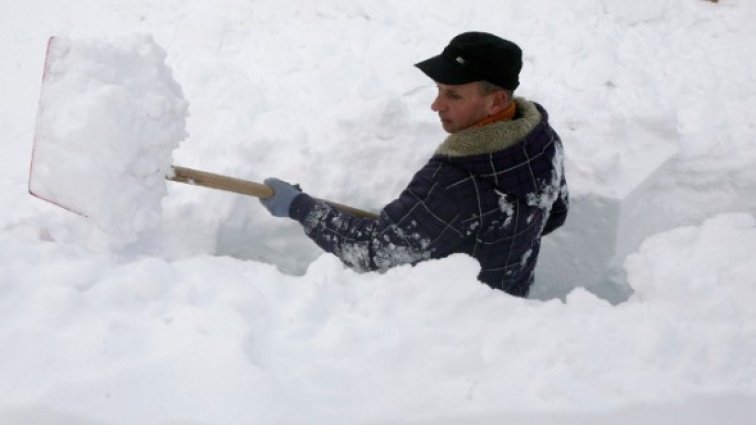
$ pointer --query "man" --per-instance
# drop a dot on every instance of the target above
(491, 190)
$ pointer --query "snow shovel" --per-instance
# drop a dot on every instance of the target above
(77, 159)
(244, 187)
(197, 178)
(193, 177)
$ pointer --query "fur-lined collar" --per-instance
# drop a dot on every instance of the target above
(493, 137)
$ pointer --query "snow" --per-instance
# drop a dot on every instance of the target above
(109, 118)
(216, 312)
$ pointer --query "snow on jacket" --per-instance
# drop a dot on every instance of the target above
(490, 192)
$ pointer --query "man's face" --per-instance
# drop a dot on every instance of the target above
(461, 106)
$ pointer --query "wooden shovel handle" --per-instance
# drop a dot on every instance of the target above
(244, 187)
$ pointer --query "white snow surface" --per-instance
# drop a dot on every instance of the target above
(216, 313)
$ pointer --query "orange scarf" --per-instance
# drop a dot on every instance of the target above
(507, 114)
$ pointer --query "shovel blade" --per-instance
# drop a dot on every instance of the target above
(41, 176)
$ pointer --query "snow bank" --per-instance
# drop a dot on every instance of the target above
(717, 258)
(110, 115)
(216, 340)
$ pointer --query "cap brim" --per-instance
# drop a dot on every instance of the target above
(445, 71)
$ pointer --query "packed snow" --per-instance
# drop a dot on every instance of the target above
(195, 306)
(110, 116)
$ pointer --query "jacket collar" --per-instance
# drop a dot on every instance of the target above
(493, 137)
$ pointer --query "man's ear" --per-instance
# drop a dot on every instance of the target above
(498, 101)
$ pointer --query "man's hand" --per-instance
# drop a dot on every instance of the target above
(283, 195)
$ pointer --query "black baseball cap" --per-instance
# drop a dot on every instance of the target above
(476, 56)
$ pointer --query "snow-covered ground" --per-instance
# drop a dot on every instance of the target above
(643, 309)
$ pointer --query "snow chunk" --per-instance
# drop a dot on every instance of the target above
(707, 268)
(110, 113)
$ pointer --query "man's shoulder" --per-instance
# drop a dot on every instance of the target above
(439, 170)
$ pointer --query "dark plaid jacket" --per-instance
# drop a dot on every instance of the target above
(490, 192)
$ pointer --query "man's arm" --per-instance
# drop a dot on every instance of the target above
(415, 227)
(558, 213)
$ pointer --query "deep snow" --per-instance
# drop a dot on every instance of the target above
(642, 308)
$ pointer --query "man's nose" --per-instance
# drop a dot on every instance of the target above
(437, 104)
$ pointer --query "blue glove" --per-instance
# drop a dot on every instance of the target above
(283, 195)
